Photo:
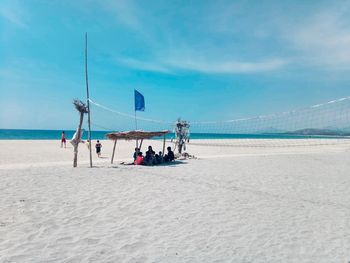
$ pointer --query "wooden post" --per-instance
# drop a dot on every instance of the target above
(76, 144)
(137, 140)
(81, 108)
(163, 144)
(115, 143)
(88, 99)
(140, 144)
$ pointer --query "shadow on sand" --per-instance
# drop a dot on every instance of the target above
(175, 163)
(169, 164)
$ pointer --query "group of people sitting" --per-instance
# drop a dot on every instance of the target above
(151, 158)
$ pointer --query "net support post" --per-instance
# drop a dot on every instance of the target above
(163, 145)
(115, 144)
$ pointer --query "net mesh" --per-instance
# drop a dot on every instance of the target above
(326, 123)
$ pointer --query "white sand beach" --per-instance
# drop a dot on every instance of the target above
(253, 202)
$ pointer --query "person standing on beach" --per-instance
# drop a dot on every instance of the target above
(88, 144)
(136, 153)
(63, 139)
(98, 147)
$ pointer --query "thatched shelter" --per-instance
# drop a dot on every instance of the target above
(135, 135)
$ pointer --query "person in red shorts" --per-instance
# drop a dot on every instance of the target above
(63, 140)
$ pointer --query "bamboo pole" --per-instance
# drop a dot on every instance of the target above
(115, 143)
(88, 99)
(137, 141)
(140, 144)
(163, 145)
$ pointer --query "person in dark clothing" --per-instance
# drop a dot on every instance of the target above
(98, 147)
(159, 158)
(150, 151)
(150, 156)
(137, 150)
(169, 157)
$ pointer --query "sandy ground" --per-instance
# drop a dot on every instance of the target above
(253, 202)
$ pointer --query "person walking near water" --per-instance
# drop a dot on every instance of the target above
(63, 139)
(98, 147)
(88, 144)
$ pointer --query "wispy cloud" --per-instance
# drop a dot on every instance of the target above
(126, 12)
(12, 12)
(145, 65)
(227, 67)
(235, 37)
(323, 39)
(172, 48)
(172, 66)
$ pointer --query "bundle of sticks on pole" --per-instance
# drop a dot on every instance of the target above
(82, 109)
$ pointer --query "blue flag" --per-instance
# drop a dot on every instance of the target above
(139, 101)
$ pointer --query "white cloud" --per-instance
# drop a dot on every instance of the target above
(172, 66)
(234, 40)
(323, 39)
(227, 67)
(172, 50)
(144, 65)
(125, 12)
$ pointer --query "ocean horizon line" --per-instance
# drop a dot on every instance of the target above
(46, 134)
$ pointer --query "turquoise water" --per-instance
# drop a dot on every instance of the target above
(12, 134)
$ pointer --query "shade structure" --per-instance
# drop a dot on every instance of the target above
(135, 135)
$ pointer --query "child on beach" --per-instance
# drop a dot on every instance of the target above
(98, 147)
(63, 139)
(159, 158)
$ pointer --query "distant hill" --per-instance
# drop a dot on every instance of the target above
(270, 130)
(326, 132)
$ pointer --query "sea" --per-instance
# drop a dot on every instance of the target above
(19, 134)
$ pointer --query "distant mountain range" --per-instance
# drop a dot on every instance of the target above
(326, 132)
(270, 130)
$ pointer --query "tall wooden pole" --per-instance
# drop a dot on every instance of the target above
(88, 100)
(115, 143)
(163, 145)
(137, 141)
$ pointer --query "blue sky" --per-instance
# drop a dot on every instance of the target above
(201, 60)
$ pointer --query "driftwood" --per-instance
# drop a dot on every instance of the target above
(182, 134)
(82, 109)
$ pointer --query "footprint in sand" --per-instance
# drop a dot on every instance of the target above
(133, 247)
(64, 240)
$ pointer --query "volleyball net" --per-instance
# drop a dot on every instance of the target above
(326, 123)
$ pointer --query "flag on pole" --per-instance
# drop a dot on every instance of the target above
(139, 101)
